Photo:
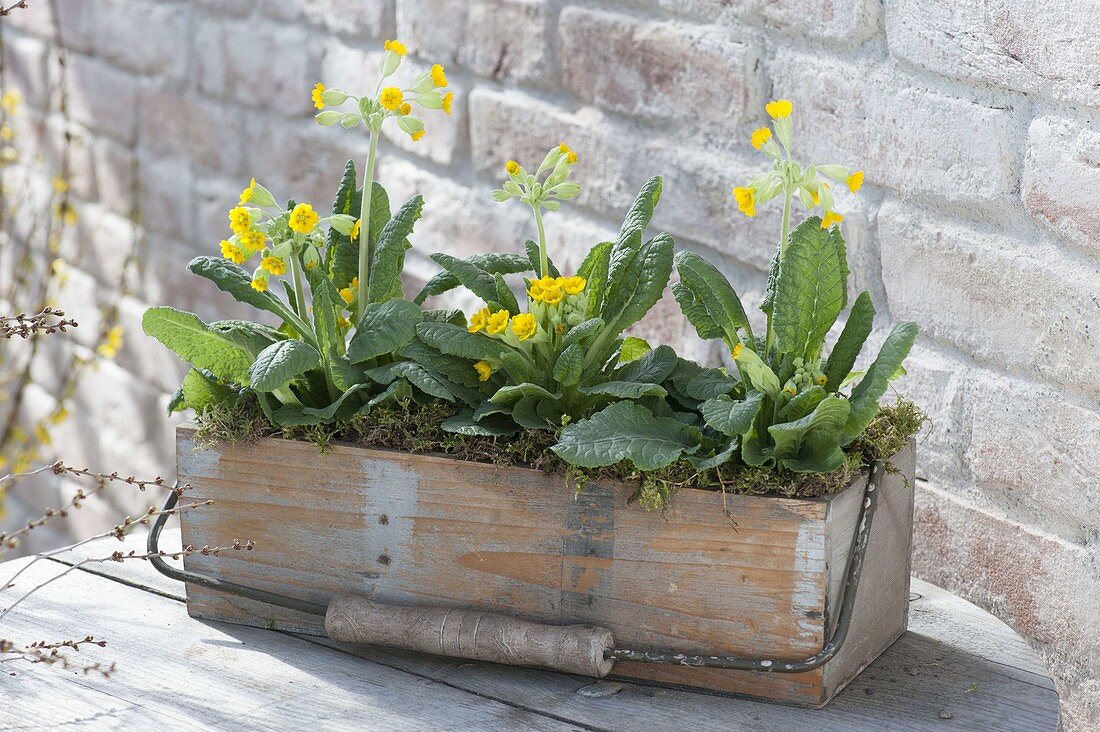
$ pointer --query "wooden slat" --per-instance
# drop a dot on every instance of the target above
(175, 673)
(954, 656)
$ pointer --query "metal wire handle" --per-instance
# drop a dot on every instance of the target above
(737, 663)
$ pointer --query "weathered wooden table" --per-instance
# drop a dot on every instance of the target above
(956, 668)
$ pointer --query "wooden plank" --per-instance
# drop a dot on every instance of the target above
(184, 674)
(407, 529)
(954, 656)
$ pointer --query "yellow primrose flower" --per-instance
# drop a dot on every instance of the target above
(391, 98)
(571, 157)
(497, 322)
(511, 167)
(779, 109)
(246, 194)
(405, 109)
(439, 76)
(831, 217)
(760, 136)
(564, 149)
(790, 391)
(240, 220)
(259, 283)
(348, 293)
(547, 290)
(232, 252)
(354, 233)
(478, 320)
(815, 197)
(343, 322)
(746, 201)
(396, 46)
(737, 350)
(821, 380)
(572, 285)
(318, 90)
(448, 100)
(303, 219)
(524, 326)
(416, 135)
(855, 181)
(484, 370)
(112, 342)
(252, 241)
(310, 265)
(274, 265)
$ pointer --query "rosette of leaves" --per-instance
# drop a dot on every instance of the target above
(315, 367)
(585, 363)
(795, 412)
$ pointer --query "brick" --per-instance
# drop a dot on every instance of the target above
(110, 29)
(1061, 170)
(358, 18)
(1015, 44)
(165, 193)
(1051, 480)
(233, 61)
(100, 242)
(25, 68)
(504, 40)
(114, 170)
(659, 70)
(909, 139)
(102, 97)
(38, 19)
(211, 134)
(843, 22)
(1009, 303)
(73, 161)
(1033, 581)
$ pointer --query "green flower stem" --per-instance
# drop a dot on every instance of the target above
(784, 234)
(544, 263)
(364, 228)
(286, 396)
(299, 291)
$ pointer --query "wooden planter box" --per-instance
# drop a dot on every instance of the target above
(430, 530)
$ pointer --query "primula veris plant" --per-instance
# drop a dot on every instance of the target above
(560, 355)
(322, 364)
(790, 412)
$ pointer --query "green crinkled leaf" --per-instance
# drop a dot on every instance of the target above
(850, 343)
(866, 394)
(491, 262)
(457, 370)
(626, 431)
(640, 285)
(826, 423)
(773, 279)
(199, 390)
(699, 383)
(732, 417)
(532, 249)
(641, 211)
(424, 380)
(203, 347)
(512, 394)
(709, 301)
(517, 367)
(291, 415)
(594, 270)
(583, 333)
(718, 459)
(570, 363)
(385, 327)
(633, 348)
(281, 362)
(470, 276)
(327, 307)
(652, 367)
(388, 257)
(624, 390)
(464, 423)
(803, 404)
(811, 289)
(457, 341)
(345, 374)
(454, 316)
(504, 294)
(230, 278)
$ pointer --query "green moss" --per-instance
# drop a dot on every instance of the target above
(413, 427)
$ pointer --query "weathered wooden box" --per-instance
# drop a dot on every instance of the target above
(428, 530)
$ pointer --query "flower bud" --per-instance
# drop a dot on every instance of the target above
(328, 118)
(333, 97)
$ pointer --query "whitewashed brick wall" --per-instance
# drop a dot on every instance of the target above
(977, 122)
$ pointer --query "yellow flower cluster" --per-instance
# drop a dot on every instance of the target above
(550, 290)
(318, 98)
(523, 325)
(396, 47)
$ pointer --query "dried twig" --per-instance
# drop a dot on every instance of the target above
(7, 10)
(50, 654)
(48, 320)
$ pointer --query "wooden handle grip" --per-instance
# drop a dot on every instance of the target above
(575, 649)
